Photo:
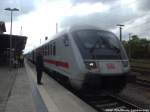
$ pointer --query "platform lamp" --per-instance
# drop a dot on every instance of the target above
(11, 12)
(120, 28)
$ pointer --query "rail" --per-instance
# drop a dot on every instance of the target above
(143, 71)
(140, 69)
(109, 102)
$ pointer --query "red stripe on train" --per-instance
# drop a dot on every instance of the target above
(58, 63)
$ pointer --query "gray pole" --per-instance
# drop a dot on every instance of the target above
(10, 64)
(11, 12)
(129, 46)
(56, 27)
(120, 34)
(120, 28)
(21, 31)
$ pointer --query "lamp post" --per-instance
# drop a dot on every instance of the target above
(130, 34)
(11, 12)
(120, 27)
(56, 27)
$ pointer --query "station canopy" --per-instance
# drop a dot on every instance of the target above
(18, 43)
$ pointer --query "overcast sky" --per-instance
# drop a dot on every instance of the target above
(38, 17)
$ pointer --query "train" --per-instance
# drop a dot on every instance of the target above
(87, 56)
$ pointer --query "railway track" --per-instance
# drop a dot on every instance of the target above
(143, 82)
(109, 102)
(142, 70)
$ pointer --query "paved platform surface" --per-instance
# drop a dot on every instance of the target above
(21, 99)
(7, 80)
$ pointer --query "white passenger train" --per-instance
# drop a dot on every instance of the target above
(87, 56)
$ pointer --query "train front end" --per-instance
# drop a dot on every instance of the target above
(104, 57)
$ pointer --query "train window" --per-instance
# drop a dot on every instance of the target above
(39, 49)
(42, 50)
(51, 49)
(45, 50)
(54, 49)
(48, 49)
(66, 40)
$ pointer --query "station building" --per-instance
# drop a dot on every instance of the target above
(18, 43)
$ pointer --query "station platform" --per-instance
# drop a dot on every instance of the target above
(20, 93)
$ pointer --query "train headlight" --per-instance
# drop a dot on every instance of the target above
(90, 64)
(125, 63)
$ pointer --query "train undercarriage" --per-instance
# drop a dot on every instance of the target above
(109, 83)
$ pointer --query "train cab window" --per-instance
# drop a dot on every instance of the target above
(98, 44)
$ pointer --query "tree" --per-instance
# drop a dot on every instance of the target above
(139, 48)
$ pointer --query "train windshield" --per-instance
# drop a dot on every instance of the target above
(99, 44)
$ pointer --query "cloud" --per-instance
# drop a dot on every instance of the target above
(86, 9)
(27, 6)
(140, 26)
(38, 17)
(41, 22)
(106, 18)
(133, 14)
(24, 6)
(143, 5)
(76, 2)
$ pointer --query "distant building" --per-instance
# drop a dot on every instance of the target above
(2, 27)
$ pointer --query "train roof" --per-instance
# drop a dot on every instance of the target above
(71, 29)
(83, 27)
(76, 28)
